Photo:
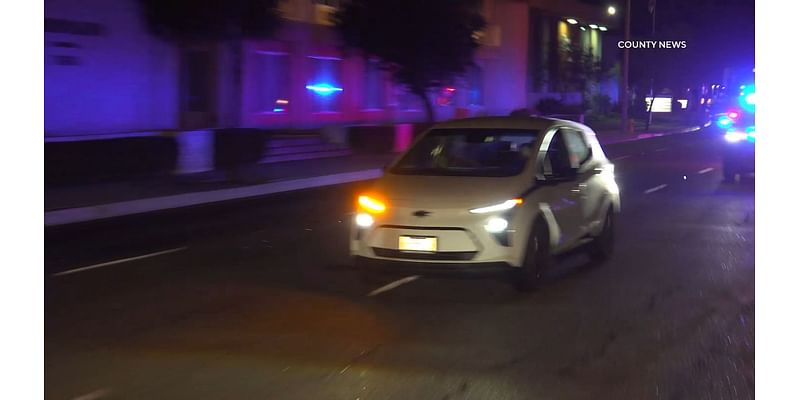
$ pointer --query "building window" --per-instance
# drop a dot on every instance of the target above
(595, 46)
(197, 81)
(408, 101)
(586, 42)
(325, 85)
(273, 82)
(374, 95)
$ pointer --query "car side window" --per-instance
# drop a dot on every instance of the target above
(579, 150)
(556, 160)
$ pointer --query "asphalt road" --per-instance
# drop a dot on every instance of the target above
(254, 299)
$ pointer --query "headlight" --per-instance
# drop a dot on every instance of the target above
(735, 136)
(371, 205)
(506, 205)
(364, 220)
(496, 225)
(724, 121)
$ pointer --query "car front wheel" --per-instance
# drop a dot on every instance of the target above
(537, 259)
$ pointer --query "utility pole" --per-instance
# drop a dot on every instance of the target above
(625, 98)
(652, 8)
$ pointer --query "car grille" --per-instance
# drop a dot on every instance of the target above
(438, 256)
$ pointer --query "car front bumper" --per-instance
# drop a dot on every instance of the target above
(460, 247)
(387, 266)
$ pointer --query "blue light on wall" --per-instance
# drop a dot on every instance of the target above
(280, 105)
(323, 89)
(325, 84)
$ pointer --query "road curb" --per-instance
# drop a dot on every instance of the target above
(140, 206)
(645, 136)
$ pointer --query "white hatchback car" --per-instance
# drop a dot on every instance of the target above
(486, 192)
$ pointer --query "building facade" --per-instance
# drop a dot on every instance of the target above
(105, 74)
(565, 37)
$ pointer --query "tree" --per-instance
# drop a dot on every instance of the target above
(188, 20)
(423, 43)
(581, 70)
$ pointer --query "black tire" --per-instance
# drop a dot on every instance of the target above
(602, 247)
(537, 259)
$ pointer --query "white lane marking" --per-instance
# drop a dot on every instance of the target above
(653, 189)
(120, 261)
(662, 149)
(97, 394)
(393, 285)
(620, 158)
(703, 171)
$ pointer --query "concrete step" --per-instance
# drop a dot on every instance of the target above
(302, 148)
(283, 141)
(306, 156)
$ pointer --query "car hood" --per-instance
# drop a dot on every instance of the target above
(442, 192)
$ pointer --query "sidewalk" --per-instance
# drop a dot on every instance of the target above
(608, 138)
(81, 203)
(72, 204)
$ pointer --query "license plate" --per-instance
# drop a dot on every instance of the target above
(417, 243)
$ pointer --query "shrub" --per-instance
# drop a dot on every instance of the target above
(371, 138)
(550, 106)
(92, 161)
(600, 104)
(236, 147)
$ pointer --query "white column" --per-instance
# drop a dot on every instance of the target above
(335, 134)
(195, 151)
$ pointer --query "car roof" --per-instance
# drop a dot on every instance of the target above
(539, 123)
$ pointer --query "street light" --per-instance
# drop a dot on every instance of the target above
(612, 10)
(603, 29)
(593, 26)
(572, 21)
(625, 69)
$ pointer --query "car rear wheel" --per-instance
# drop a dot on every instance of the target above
(602, 247)
(537, 259)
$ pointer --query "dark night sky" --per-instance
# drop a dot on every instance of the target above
(719, 34)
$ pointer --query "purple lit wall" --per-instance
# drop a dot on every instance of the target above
(103, 72)
(505, 67)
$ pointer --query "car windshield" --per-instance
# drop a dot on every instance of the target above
(469, 152)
